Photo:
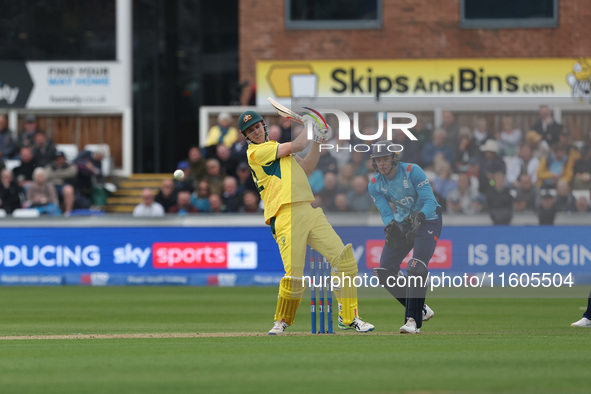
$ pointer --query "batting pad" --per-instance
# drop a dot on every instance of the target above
(347, 267)
(336, 285)
(289, 298)
(347, 264)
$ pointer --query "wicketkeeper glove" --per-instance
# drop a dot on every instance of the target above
(394, 234)
(414, 220)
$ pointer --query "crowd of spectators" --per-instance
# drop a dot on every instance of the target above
(212, 185)
(471, 169)
(41, 177)
(217, 177)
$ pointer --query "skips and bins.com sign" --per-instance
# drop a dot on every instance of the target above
(541, 77)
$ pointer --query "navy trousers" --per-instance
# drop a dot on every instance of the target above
(424, 247)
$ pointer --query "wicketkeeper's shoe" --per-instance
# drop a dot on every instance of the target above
(584, 322)
(278, 328)
(410, 327)
(427, 312)
(358, 324)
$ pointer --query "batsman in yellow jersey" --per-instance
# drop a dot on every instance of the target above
(281, 178)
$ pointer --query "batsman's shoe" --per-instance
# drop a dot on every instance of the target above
(427, 312)
(358, 324)
(278, 328)
(410, 327)
(584, 322)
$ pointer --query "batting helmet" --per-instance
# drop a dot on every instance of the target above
(384, 149)
(249, 118)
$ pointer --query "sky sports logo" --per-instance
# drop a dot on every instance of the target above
(205, 255)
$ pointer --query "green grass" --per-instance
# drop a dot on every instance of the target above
(483, 345)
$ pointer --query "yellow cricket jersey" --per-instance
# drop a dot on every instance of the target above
(280, 181)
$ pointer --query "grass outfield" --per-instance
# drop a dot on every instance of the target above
(484, 345)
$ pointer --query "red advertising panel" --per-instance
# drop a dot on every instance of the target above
(204, 255)
(442, 257)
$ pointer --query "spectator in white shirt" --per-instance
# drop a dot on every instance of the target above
(149, 207)
(509, 138)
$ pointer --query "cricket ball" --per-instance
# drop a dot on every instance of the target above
(179, 175)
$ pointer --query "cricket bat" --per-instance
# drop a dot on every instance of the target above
(284, 111)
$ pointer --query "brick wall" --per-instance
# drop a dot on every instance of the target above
(411, 29)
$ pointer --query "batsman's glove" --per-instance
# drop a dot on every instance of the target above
(319, 133)
(414, 221)
(394, 234)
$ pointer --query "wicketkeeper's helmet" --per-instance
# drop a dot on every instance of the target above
(384, 149)
(247, 119)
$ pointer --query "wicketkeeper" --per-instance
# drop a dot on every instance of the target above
(414, 223)
(281, 179)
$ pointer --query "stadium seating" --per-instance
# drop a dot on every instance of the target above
(25, 213)
(70, 150)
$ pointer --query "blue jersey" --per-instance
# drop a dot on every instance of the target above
(409, 190)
